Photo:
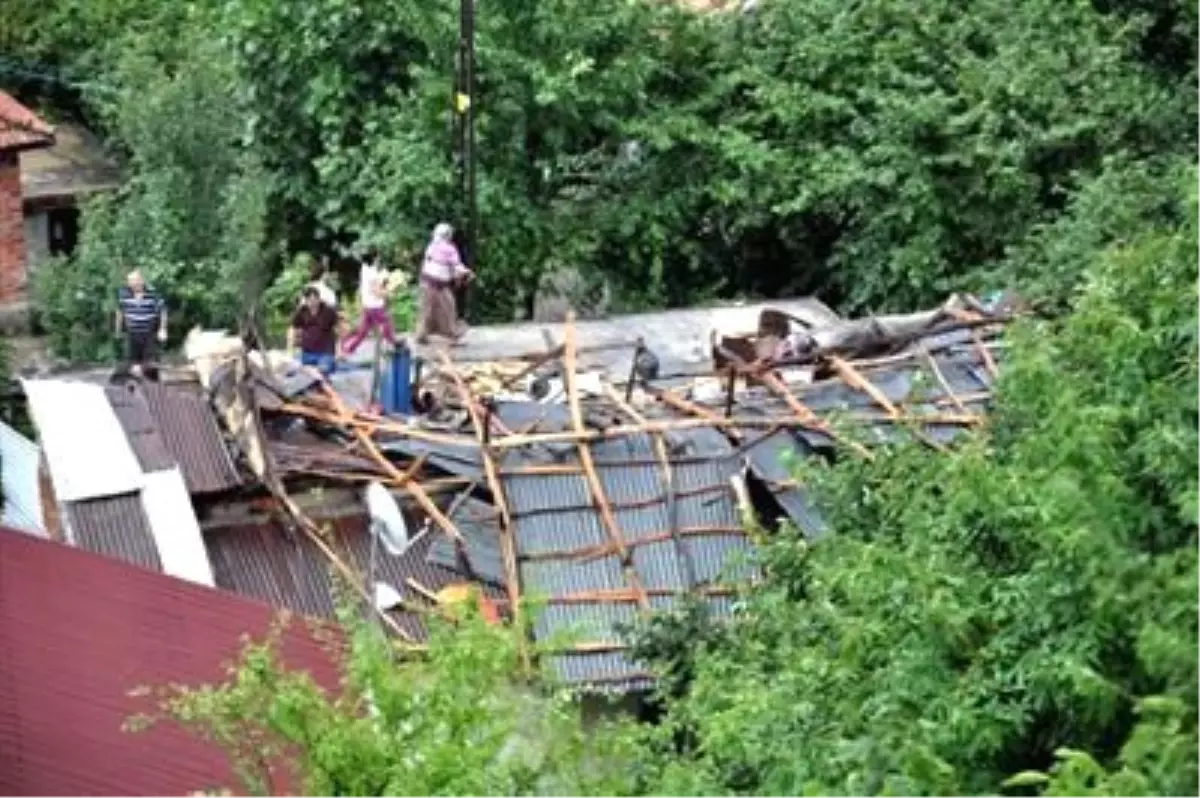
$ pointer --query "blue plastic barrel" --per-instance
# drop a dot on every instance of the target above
(396, 383)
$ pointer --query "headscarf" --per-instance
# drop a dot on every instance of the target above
(443, 231)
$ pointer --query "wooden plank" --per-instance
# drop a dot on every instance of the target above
(508, 545)
(593, 481)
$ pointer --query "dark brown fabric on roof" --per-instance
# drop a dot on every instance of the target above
(189, 428)
(140, 428)
(78, 632)
(115, 526)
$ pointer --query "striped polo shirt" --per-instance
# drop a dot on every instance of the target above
(141, 313)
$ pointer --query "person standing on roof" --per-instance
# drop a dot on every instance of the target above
(441, 271)
(373, 291)
(142, 318)
(315, 324)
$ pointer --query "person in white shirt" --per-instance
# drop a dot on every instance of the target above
(317, 274)
(373, 296)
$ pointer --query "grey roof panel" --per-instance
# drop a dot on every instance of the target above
(484, 555)
(115, 526)
(556, 578)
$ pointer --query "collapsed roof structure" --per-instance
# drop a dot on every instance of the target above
(625, 485)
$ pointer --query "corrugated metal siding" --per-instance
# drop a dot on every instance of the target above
(19, 458)
(115, 526)
(78, 632)
(85, 445)
(189, 428)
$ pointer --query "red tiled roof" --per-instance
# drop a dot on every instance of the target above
(21, 128)
(78, 632)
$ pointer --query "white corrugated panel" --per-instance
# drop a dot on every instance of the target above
(19, 459)
(86, 449)
(174, 526)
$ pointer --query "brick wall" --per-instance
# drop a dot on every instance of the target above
(12, 230)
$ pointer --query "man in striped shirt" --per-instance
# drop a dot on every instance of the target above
(142, 317)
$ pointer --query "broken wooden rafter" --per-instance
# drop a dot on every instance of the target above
(250, 433)
(507, 541)
(777, 386)
(593, 481)
(943, 382)
(852, 377)
(418, 493)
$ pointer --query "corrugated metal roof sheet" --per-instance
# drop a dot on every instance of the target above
(78, 632)
(85, 445)
(288, 571)
(768, 456)
(189, 428)
(173, 525)
(462, 460)
(680, 536)
(477, 522)
(19, 461)
(141, 430)
(115, 526)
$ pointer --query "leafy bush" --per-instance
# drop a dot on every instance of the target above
(458, 720)
(971, 615)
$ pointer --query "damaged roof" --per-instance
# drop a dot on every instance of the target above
(124, 462)
(609, 506)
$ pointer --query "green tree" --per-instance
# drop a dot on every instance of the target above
(970, 618)
(192, 212)
(457, 719)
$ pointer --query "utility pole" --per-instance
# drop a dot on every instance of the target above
(464, 140)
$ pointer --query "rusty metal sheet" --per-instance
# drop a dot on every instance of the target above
(188, 426)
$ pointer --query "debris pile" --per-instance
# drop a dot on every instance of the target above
(607, 495)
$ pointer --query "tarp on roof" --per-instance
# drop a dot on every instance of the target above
(88, 454)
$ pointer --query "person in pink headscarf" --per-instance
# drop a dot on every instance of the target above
(441, 271)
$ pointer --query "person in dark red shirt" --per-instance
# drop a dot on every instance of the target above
(315, 323)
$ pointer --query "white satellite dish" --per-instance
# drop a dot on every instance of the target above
(387, 522)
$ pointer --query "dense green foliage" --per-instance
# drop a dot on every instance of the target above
(192, 213)
(971, 617)
(872, 153)
(1019, 615)
(452, 722)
